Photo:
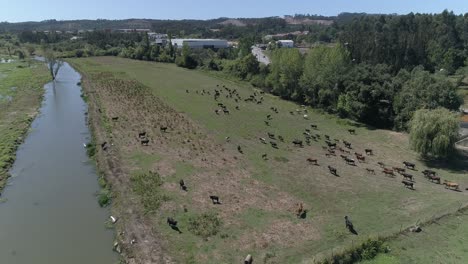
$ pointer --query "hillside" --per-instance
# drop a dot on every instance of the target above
(221, 153)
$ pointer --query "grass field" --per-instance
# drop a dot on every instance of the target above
(258, 197)
(21, 89)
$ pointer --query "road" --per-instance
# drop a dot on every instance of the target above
(261, 57)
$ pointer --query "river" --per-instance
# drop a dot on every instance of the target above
(51, 214)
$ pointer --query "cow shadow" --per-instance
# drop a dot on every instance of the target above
(353, 231)
(176, 228)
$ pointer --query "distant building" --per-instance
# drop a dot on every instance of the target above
(131, 30)
(200, 43)
(158, 38)
(286, 43)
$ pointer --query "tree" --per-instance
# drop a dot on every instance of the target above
(286, 70)
(434, 132)
(424, 90)
(323, 70)
(53, 63)
(185, 59)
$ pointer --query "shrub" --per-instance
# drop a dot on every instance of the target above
(204, 225)
(147, 186)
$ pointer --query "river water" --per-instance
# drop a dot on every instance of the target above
(51, 214)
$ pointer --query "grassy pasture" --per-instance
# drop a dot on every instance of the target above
(265, 225)
(20, 97)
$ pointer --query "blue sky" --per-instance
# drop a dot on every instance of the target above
(36, 10)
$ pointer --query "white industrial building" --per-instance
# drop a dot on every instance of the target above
(200, 43)
(286, 43)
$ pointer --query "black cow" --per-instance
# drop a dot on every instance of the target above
(409, 165)
(408, 184)
(297, 142)
(144, 142)
(215, 199)
(182, 185)
(349, 225)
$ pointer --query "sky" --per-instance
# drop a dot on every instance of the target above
(38, 10)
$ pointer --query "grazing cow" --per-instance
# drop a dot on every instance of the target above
(228, 139)
(409, 165)
(434, 178)
(225, 111)
(331, 152)
(248, 259)
(237, 107)
(408, 184)
(311, 160)
(428, 173)
(347, 144)
(331, 145)
(298, 142)
(399, 170)
(451, 185)
(104, 146)
(313, 126)
(264, 157)
(273, 144)
(163, 129)
(142, 134)
(267, 123)
(240, 150)
(187, 91)
(144, 142)
(215, 199)
(349, 225)
(115, 118)
(350, 161)
(372, 171)
(388, 172)
(327, 137)
(332, 170)
(407, 176)
(269, 117)
(361, 158)
(381, 164)
(291, 112)
(352, 131)
(324, 148)
(299, 210)
(171, 222)
(344, 157)
(281, 138)
(263, 140)
(182, 185)
(369, 152)
(272, 136)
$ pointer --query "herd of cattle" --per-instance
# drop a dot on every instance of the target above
(332, 147)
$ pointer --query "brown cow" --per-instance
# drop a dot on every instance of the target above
(451, 185)
(387, 171)
(311, 160)
(361, 158)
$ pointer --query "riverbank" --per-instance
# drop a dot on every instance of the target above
(21, 91)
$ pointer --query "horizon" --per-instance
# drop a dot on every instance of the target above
(32, 11)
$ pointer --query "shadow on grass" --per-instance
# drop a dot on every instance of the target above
(455, 164)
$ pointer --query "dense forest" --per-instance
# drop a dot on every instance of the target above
(376, 69)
